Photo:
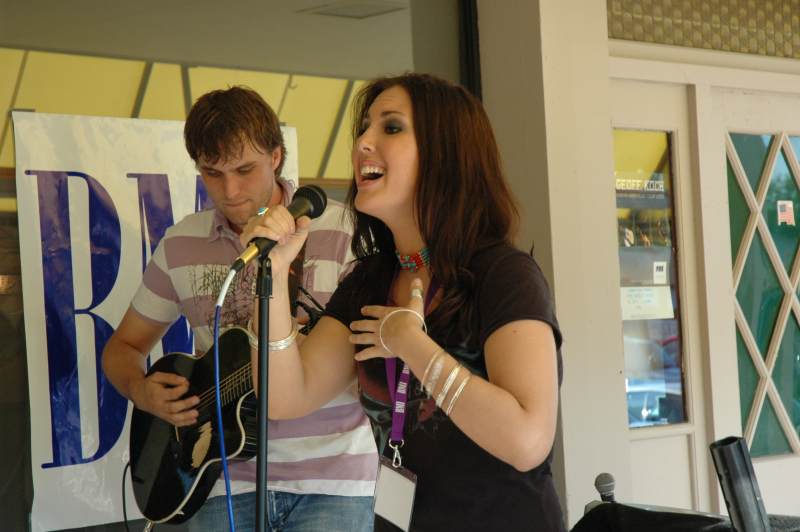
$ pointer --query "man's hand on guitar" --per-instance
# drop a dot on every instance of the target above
(160, 395)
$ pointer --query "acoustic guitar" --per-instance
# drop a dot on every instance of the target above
(173, 469)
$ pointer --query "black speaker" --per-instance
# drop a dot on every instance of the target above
(739, 485)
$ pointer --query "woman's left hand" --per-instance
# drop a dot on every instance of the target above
(389, 327)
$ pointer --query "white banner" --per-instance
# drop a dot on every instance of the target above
(94, 197)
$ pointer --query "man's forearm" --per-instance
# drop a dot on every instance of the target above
(124, 367)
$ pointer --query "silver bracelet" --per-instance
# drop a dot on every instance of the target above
(275, 345)
(430, 385)
(395, 311)
(435, 355)
(251, 336)
(449, 382)
(457, 393)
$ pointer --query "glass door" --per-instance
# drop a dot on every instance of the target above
(757, 135)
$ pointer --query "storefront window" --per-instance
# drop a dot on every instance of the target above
(648, 278)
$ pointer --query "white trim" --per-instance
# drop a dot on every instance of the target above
(665, 53)
(714, 76)
(662, 431)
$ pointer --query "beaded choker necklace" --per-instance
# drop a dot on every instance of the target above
(414, 262)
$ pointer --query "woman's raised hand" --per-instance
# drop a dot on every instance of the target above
(386, 329)
(279, 225)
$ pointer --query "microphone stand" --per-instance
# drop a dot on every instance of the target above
(264, 293)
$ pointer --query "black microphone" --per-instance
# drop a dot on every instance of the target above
(309, 200)
(604, 484)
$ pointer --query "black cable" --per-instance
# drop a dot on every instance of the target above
(311, 298)
(313, 317)
(124, 510)
(314, 314)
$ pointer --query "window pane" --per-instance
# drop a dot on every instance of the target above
(648, 278)
(757, 162)
(781, 203)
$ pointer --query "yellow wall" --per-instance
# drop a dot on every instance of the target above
(164, 96)
(75, 84)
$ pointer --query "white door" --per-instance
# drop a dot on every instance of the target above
(751, 139)
(670, 464)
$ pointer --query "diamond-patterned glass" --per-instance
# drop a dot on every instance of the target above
(769, 438)
(752, 151)
(795, 142)
(748, 378)
(786, 373)
(759, 294)
(738, 211)
(780, 204)
(759, 291)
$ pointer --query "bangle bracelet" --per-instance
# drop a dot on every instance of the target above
(430, 385)
(435, 355)
(449, 382)
(251, 335)
(395, 311)
(280, 345)
(457, 394)
(275, 345)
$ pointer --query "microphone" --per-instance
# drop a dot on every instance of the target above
(309, 200)
(604, 483)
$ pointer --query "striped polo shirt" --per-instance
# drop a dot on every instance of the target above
(331, 451)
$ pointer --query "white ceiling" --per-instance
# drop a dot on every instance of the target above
(269, 35)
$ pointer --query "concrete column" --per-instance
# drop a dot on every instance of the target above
(545, 83)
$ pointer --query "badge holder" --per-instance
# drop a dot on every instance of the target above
(395, 488)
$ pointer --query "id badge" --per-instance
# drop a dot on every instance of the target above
(394, 494)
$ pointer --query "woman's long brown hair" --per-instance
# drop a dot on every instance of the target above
(462, 201)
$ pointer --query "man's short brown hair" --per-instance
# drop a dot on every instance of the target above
(222, 121)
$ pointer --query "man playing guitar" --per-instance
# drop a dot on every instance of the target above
(322, 467)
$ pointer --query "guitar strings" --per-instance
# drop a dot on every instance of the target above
(240, 376)
(234, 380)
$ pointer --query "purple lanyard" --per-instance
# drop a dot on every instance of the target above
(399, 397)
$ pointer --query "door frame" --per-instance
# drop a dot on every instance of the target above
(704, 74)
(632, 108)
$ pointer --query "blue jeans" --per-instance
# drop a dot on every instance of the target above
(287, 512)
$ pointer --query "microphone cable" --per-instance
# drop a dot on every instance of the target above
(220, 429)
(149, 525)
(124, 508)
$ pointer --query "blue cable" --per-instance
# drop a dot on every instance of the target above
(220, 428)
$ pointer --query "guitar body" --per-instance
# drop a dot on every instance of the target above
(173, 469)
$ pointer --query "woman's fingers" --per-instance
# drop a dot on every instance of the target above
(417, 296)
(282, 223)
(384, 324)
(364, 339)
(374, 311)
(370, 353)
(276, 224)
(364, 325)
